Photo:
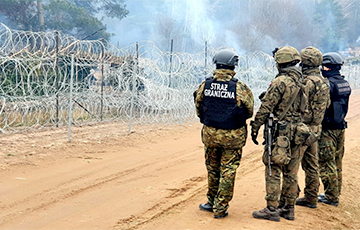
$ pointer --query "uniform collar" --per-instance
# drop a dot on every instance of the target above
(293, 71)
(224, 74)
(311, 71)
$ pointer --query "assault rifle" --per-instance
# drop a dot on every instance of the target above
(269, 137)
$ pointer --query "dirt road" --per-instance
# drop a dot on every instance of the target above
(152, 178)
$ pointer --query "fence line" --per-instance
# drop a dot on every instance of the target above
(138, 84)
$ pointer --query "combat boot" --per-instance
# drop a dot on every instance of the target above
(322, 199)
(321, 195)
(303, 202)
(220, 216)
(281, 204)
(206, 207)
(268, 213)
(288, 212)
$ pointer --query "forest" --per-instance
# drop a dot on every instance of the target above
(246, 25)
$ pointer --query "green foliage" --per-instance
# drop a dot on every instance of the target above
(20, 14)
(111, 8)
(332, 24)
(354, 23)
(70, 19)
(77, 18)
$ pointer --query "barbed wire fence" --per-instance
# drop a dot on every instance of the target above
(137, 84)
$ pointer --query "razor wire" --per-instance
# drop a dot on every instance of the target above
(137, 84)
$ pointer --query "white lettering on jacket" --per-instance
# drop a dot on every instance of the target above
(219, 90)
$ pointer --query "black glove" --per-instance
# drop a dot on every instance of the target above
(254, 134)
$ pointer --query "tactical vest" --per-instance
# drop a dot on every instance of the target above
(219, 108)
(335, 115)
(318, 101)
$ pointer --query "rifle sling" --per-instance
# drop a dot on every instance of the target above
(291, 102)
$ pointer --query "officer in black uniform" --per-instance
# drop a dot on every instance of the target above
(331, 143)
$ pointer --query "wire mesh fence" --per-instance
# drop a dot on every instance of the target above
(138, 84)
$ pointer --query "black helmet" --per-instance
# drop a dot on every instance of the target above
(332, 58)
(226, 57)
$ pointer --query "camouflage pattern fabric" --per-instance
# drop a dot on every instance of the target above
(278, 96)
(276, 99)
(331, 152)
(318, 91)
(223, 148)
(286, 54)
(234, 138)
(311, 56)
(318, 95)
(289, 190)
(221, 165)
(310, 164)
(229, 139)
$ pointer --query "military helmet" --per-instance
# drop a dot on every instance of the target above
(287, 54)
(226, 57)
(310, 56)
(332, 58)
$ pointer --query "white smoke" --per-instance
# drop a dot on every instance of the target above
(199, 21)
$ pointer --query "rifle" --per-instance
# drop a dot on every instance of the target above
(269, 137)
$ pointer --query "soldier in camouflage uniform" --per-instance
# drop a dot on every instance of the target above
(318, 92)
(223, 105)
(283, 100)
(331, 143)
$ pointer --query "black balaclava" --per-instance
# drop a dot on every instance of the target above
(334, 70)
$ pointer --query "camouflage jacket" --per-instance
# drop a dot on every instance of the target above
(235, 138)
(278, 96)
(318, 92)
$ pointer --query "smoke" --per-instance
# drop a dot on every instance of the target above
(197, 22)
(245, 25)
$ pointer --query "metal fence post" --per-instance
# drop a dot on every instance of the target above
(205, 70)
(70, 96)
(170, 64)
(57, 76)
(133, 85)
(102, 79)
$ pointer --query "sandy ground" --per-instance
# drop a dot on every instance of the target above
(151, 178)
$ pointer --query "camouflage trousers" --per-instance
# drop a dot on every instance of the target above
(331, 152)
(310, 165)
(221, 165)
(289, 191)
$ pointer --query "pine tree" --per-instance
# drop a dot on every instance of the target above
(332, 25)
(77, 18)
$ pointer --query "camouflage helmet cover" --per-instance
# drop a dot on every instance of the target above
(226, 57)
(287, 54)
(311, 56)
